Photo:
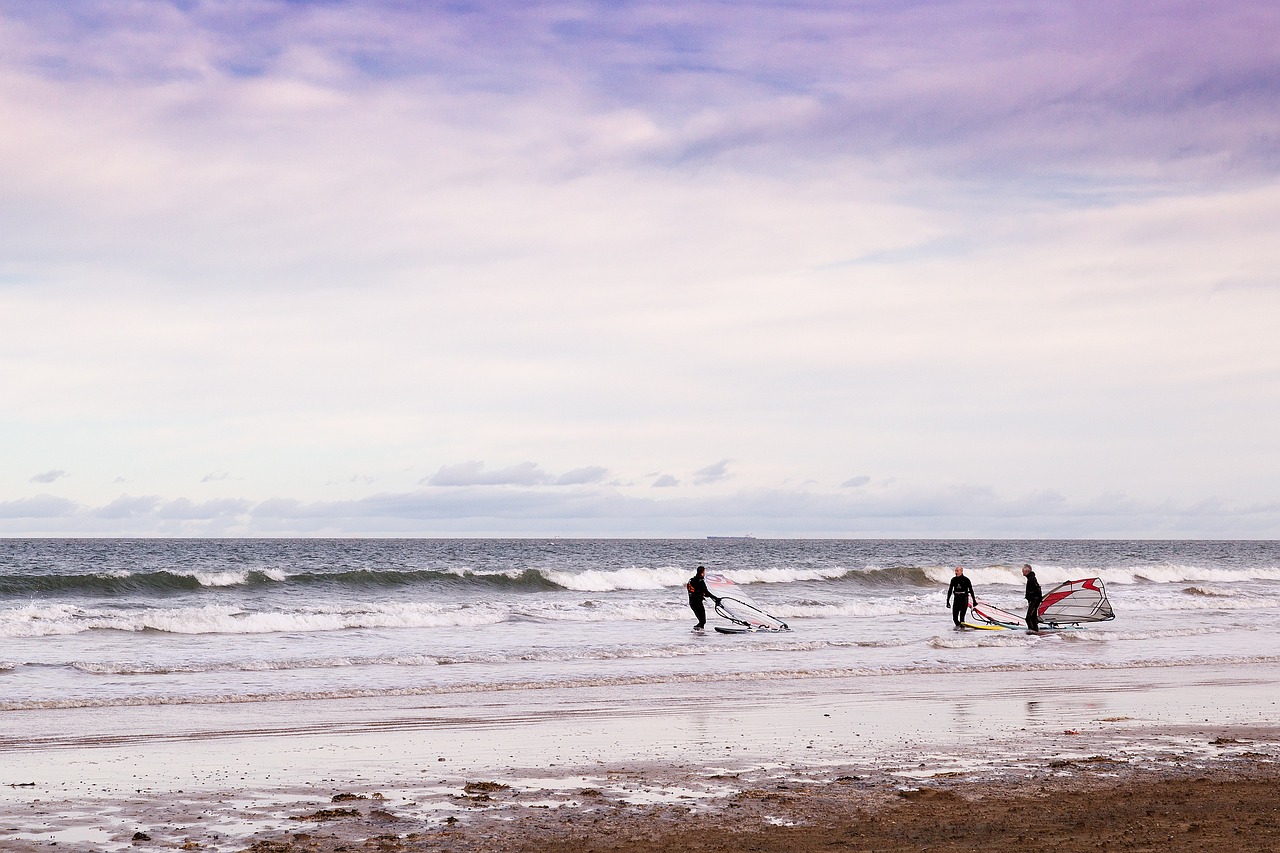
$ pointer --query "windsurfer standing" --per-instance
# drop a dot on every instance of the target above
(961, 590)
(697, 588)
(1034, 596)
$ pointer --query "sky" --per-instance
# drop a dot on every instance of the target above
(791, 269)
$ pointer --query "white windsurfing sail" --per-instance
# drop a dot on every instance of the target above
(736, 606)
(986, 614)
(1074, 602)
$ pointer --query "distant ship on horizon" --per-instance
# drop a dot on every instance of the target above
(746, 538)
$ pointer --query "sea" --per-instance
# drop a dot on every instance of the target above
(99, 623)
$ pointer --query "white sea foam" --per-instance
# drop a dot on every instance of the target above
(38, 619)
(612, 611)
(1108, 633)
(215, 579)
(143, 668)
(54, 620)
(1102, 633)
(412, 615)
(619, 579)
(980, 575)
(793, 643)
(982, 639)
(41, 619)
(1171, 602)
(235, 577)
(749, 576)
(636, 578)
(62, 620)
(1121, 575)
(544, 655)
(1212, 591)
(914, 605)
(1182, 573)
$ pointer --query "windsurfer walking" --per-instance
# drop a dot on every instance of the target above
(960, 590)
(1034, 597)
(697, 588)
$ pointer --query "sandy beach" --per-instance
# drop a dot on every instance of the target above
(885, 762)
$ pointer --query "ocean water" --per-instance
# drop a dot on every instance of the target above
(103, 623)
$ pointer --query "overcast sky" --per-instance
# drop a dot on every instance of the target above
(640, 268)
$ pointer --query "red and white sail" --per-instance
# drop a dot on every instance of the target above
(1074, 602)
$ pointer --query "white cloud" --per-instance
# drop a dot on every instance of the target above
(959, 511)
(523, 474)
(582, 476)
(188, 510)
(713, 473)
(38, 507)
(128, 507)
(49, 476)
(473, 474)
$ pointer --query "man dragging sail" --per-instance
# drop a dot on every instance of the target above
(697, 588)
(961, 590)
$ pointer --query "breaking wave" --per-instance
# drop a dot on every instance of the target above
(1209, 591)
(165, 582)
(162, 583)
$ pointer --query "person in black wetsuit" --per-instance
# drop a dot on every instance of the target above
(1034, 596)
(697, 588)
(960, 591)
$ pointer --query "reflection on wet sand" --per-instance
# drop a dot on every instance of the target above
(222, 776)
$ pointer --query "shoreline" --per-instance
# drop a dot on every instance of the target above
(646, 761)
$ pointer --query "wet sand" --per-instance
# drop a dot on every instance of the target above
(1097, 758)
(1231, 807)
